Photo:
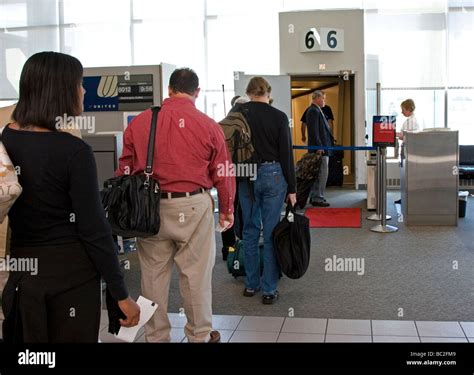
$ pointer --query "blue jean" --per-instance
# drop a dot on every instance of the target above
(319, 187)
(269, 192)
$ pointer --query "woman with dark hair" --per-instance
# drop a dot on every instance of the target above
(58, 225)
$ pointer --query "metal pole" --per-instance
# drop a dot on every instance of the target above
(378, 167)
(383, 187)
(223, 98)
(378, 88)
(376, 216)
(383, 227)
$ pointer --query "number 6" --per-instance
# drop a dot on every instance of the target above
(331, 39)
(309, 39)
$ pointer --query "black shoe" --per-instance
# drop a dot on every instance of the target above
(398, 202)
(270, 299)
(249, 292)
(225, 253)
(320, 204)
(215, 337)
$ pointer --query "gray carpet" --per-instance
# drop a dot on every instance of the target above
(409, 275)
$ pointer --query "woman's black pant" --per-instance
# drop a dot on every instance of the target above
(61, 303)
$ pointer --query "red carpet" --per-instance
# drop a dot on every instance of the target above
(334, 217)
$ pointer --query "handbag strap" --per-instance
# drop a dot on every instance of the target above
(290, 208)
(1, 131)
(151, 142)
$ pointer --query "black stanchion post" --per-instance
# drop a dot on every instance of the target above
(382, 200)
(376, 216)
(378, 189)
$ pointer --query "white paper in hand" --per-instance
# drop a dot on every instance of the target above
(220, 228)
(147, 309)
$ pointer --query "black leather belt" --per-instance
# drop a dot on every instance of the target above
(182, 195)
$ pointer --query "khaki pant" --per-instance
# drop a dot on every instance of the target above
(186, 238)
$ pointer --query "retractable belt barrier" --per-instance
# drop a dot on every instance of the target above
(381, 188)
(335, 148)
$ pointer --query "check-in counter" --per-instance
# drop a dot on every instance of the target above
(429, 178)
(107, 147)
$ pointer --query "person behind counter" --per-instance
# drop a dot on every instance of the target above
(411, 123)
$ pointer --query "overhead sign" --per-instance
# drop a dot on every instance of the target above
(118, 93)
(322, 39)
(384, 131)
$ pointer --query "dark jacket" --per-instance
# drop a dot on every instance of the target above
(319, 133)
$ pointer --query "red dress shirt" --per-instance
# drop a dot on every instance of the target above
(190, 151)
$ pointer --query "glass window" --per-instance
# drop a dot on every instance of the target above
(461, 114)
(15, 48)
(429, 104)
(460, 77)
(179, 10)
(99, 44)
(13, 14)
(231, 46)
(154, 42)
(97, 11)
(28, 13)
(410, 48)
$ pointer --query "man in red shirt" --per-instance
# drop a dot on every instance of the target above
(190, 151)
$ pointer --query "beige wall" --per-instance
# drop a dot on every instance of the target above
(332, 100)
(292, 61)
(5, 115)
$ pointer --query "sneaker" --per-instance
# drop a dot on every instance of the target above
(270, 299)
(215, 337)
(320, 204)
(249, 292)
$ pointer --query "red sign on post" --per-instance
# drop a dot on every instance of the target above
(384, 131)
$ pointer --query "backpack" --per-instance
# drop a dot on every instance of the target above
(238, 136)
(236, 259)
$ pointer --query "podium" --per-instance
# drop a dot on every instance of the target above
(429, 178)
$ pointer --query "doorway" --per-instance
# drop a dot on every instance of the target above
(339, 90)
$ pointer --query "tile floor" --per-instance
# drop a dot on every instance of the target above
(235, 328)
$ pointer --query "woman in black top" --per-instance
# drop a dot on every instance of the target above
(58, 220)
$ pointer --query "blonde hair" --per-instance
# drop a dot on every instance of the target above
(258, 86)
(408, 105)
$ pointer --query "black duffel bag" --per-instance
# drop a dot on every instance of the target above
(132, 202)
(292, 243)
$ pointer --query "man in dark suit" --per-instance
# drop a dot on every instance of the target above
(319, 134)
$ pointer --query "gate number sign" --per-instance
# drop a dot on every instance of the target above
(322, 39)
